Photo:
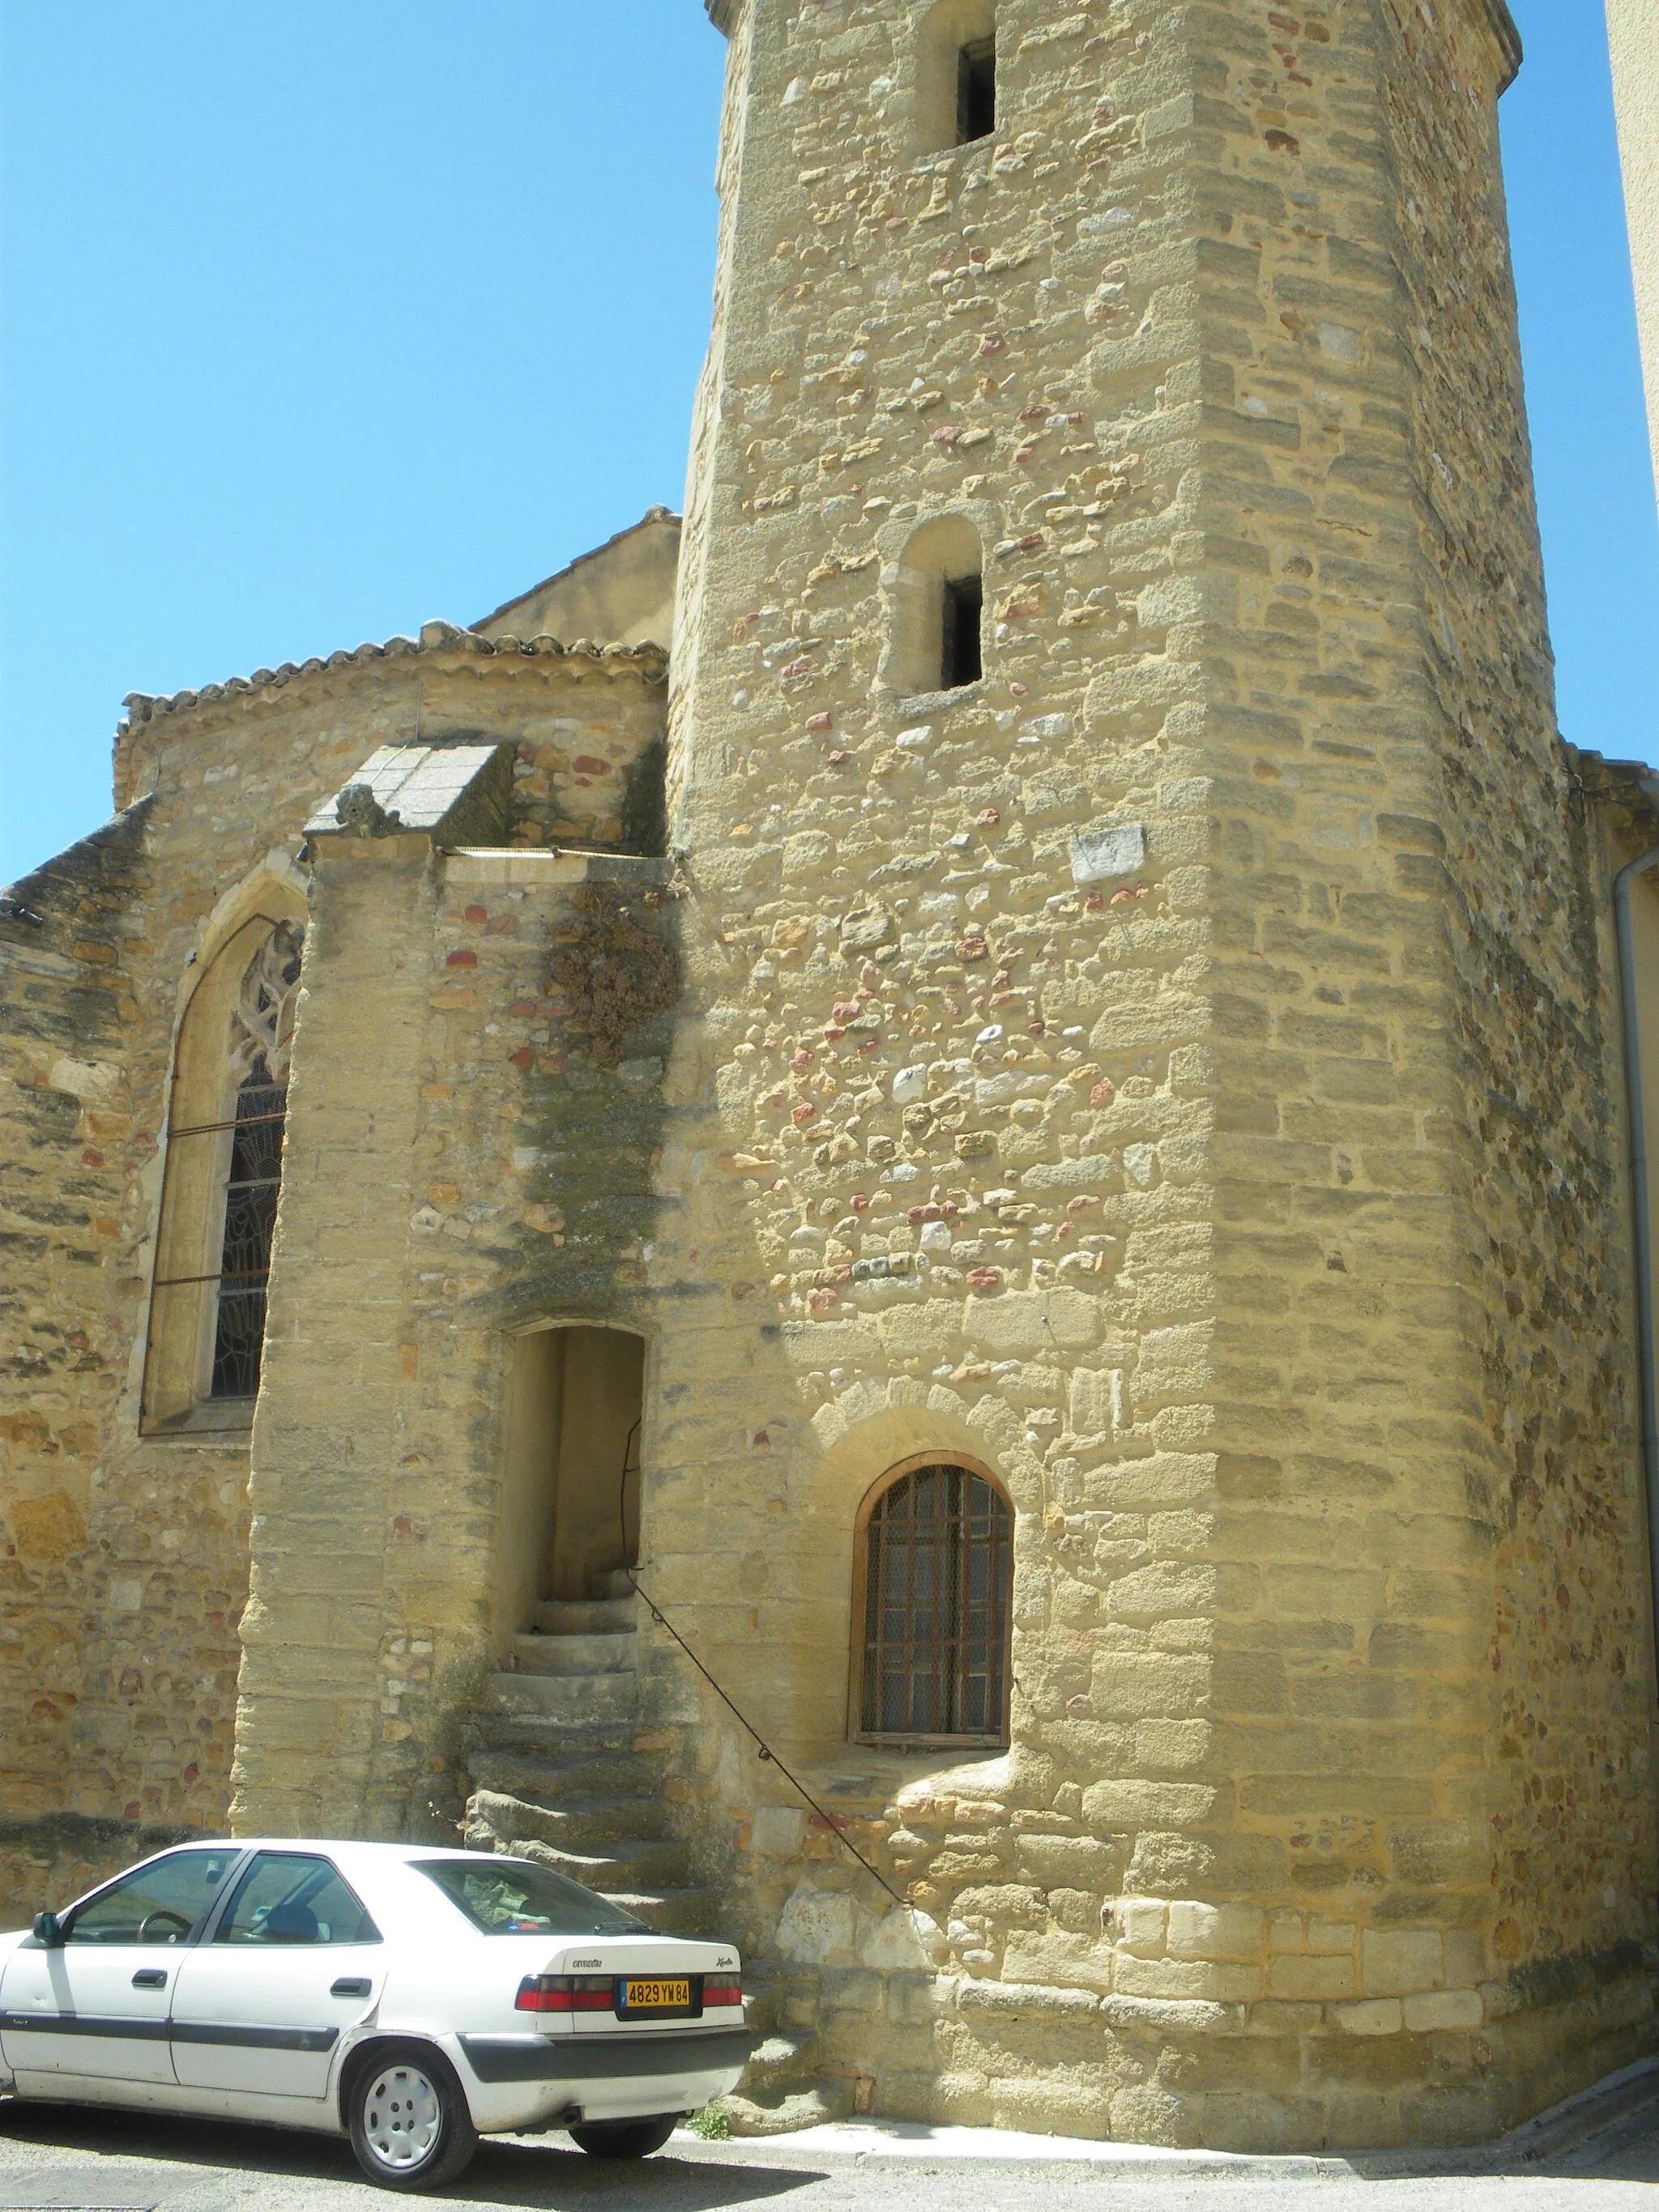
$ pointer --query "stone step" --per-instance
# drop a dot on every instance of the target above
(810, 2106)
(627, 1868)
(578, 1823)
(575, 1655)
(554, 1743)
(597, 1616)
(628, 1833)
(589, 1776)
(569, 1698)
(672, 1912)
(775, 2062)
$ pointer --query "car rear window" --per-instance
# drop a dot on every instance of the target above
(516, 1897)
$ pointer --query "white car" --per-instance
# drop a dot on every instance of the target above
(410, 1998)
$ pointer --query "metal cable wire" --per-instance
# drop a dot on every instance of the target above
(764, 1750)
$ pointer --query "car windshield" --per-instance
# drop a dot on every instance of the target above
(515, 1897)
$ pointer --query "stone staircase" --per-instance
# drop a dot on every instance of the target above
(558, 1776)
(557, 1773)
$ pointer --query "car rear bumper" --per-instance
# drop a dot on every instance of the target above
(576, 2059)
(528, 2083)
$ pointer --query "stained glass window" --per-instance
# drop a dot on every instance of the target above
(938, 1573)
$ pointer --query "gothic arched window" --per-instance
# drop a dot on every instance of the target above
(935, 1556)
(219, 1192)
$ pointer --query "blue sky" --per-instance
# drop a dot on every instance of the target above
(323, 318)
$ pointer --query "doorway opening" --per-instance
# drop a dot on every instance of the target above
(570, 1510)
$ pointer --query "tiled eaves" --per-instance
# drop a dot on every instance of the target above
(439, 641)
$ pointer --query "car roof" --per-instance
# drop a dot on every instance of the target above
(332, 1845)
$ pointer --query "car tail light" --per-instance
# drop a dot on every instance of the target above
(721, 1993)
(566, 1993)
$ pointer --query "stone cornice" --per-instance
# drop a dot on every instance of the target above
(1503, 30)
(1502, 23)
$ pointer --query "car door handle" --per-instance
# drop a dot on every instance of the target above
(150, 1977)
(351, 1985)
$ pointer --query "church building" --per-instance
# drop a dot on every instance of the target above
(998, 1067)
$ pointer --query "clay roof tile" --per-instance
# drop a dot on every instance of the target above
(437, 638)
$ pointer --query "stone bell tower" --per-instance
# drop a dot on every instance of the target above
(1152, 1037)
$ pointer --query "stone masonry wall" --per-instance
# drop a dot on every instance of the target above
(67, 1121)
(461, 1164)
(1253, 1213)
(126, 1555)
(1162, 1196)
(1536, 1029)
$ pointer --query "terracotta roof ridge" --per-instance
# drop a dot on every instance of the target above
(435, 637)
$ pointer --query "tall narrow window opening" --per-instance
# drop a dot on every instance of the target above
(956, 76)
(221, 1181)
(256, 1152)
(977, 91)
(960, 660)
(260, 1044)
(937, 1558)
(573, 1439)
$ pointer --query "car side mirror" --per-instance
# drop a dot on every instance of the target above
(49, 1930)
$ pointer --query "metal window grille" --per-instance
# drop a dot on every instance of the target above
(938, 1573)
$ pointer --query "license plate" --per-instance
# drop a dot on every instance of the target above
(657, 1997)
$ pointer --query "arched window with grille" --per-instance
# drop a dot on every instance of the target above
(934, 1575)
(222, 1176)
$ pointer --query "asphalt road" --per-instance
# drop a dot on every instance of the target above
(87, 2161)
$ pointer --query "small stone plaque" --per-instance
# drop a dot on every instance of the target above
(1098, 855)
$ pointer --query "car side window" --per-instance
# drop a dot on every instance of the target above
(289, 1897)
(158, 1903)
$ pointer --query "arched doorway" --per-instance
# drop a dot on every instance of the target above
(573, 1420)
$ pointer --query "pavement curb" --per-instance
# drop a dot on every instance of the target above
(1562, 2127)
(1575, 2118)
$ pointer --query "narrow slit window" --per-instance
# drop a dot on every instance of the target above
(937, 1576)
(255, 1163)
(960, 660)
(977, 91)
